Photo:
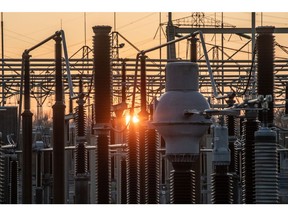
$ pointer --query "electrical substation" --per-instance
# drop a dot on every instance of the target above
(200, 130)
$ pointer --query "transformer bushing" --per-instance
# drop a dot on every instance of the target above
(266, 167)
(181, 132)
(102, 109)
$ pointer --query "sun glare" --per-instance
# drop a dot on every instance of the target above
(135, 119)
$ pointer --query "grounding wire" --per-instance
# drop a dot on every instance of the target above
(121, 130)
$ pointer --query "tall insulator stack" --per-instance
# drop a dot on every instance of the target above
(81, 161)
(148, 169)
(233, 169)
(266, 167)
(182, 183)
(58, 128)
(153, 166)
(239, 144)
(221, 180)
(250, 126)
(14, 180)
(265, 68)
(132, 163)
(142, 146)
(102, 100)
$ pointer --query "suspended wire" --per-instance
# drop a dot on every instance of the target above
(20, 39)
(284, 18)
(22, 35)
(135, 21)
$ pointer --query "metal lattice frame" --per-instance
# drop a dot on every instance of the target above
(235, 78)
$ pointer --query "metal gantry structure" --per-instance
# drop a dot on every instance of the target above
(236, 74)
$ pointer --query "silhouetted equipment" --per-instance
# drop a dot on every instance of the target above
(265, 67)
(27, 135)
(81, 160)
(102, 100)
(58, 129)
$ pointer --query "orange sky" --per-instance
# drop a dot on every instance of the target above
(22, 30)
